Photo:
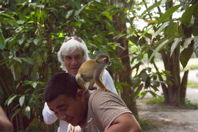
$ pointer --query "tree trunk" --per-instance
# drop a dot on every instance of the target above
(171, 64)
(124, 74)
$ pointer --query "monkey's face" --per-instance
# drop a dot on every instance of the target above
(73, 61)
(71, 110)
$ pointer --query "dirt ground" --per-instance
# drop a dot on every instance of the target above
(163, 118)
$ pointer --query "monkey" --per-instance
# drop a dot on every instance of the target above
(90, 71)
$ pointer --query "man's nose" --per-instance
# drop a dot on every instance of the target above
(65, 118)
(61, 116)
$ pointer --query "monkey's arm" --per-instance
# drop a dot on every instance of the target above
(81, 82)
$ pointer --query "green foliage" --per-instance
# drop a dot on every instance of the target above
(146, 124)
(188, 104)
(192, 84)
(156, 100)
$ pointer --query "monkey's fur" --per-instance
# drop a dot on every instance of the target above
(90, 71)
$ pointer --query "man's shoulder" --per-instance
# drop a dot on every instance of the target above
(100, 97)
(101, 93)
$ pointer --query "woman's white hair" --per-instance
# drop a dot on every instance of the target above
(70, 45)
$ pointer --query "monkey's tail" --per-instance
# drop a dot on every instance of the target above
(101, 85)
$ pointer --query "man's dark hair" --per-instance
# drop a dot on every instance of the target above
(61, 83)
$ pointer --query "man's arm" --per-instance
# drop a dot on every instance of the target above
(5, 124)
(124, 123)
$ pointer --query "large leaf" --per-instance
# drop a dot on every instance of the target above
(187, 16)
(186, 54)
(172, 30)
(168, 14)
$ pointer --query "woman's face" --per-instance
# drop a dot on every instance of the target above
(73, 61)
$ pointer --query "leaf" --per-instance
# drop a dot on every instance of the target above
(18, 59)
(27, 60)
(139, 89)
(172, 30)
(15, 113)
(187, 16)
(185, 55)
(107, 14)
(175, 44)
(69, 13)
(22, 100)
(11, 100)
(159, 47)
(2, 40)
(196, 45)
(187, 42)
(27, 112)
(164, 25)
(151, 7)
(168, 14)
(150, 21)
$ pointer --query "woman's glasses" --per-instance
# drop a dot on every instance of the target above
(75, 38)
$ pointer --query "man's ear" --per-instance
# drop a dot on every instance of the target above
(80, 92)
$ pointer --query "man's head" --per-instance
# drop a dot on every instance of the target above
(64, 98)
(72, 54)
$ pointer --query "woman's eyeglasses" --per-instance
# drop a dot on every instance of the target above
(75, 38)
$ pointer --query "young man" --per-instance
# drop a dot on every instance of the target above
(71, 55)
(98, 112)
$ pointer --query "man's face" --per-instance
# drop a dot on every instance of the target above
(71, 110)
(73, 61)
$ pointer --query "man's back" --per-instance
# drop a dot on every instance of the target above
(103, 108)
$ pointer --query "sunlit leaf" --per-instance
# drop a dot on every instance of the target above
(139, 89)
(187, 42)
(27, 111)
(11, 100)
(69, 13)
(175, 44)
(160, 46)
(150, 21)
(168, 14)
(164, 25)
(107, 14)
(22, 100)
